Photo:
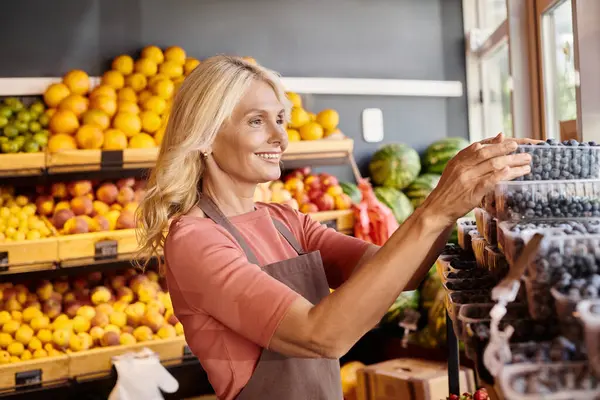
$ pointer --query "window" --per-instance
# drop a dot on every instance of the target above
(560, 79)
(496, 93)
(491, 14)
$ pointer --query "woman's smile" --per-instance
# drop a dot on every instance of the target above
(271, 157)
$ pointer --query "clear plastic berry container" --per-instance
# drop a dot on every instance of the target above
(464, 226)
(476, 279)
(513, 235)
(559, 162)
(539, 299)
(454, 251)
(455, 300)
(556, 350)
(480, 312)
(552, 381)
(488, 203)
(565, 308)
(496, 262)
(589, 313)
(547, 199)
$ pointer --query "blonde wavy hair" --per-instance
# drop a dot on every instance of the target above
(202, 104)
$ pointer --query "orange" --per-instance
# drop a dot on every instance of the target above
(77, 81)
(123, 64)
(171, 69)
(190, 64)
(76, 103)
(103, 90)
(128, 123)
(160, 133)
(136, 81)
(64, 121)
(145, 66)
(89, 137)
(114, 139)
(163, 88)
(313, 116)
(128, 106)
(154, 53)
(150, 121)
(56, 93)
(114, 79)
(104, 103)
(293, 135)
(50, 112)
(143, 96)
(61, 141)
(311, 131)
(298, 117)
(141, 141)
(295, 99)
(175, 54)
(153, 79)
(156, 104)
(328, 119)
(348, 374)
(126, 94)
(96, 117)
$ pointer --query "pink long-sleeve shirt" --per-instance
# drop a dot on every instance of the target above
(230, 308)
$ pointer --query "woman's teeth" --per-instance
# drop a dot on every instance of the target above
(269, 156)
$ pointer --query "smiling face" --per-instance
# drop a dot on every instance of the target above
(249, 145)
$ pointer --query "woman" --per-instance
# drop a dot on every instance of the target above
(250, 282)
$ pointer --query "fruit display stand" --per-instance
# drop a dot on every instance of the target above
(340, 220)
(34, 372)
(94, 160)
(22, 164)
(87, 248)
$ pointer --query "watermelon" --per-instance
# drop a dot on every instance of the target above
(406, 300)
(352, 191)
(395, 165)
(396, 201)
(418, 191)
(439, 153)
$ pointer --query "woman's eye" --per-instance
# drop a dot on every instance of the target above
(255, 122)
(280, 121)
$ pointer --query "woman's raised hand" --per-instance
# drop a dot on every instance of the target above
(473, 172)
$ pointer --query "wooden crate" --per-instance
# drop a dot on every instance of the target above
(96, 246)
(36, 371)
(340, 220)
(22, 164)
(94, 160)
(28, 255)
(98, 362)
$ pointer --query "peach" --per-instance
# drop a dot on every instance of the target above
(39, 323)
(107, 193)
(76, 225)
(105, 308)
(69, 297)
(136, 281)
(126, 338)
(116, 207)
(166, 332)
(61, 286)
(125, 182)
(81, 324)
(80, 283)
(118, 281)
(171, 318)
(146, 292)
(62, 205)
(79, 188)
(87, 312)
(112, 216)
(61, 338)
(139, 184)
(133, 206)
(100, 319)
(44, 290)
(155, 305)
(125, 295)
(61, 217)
(130, 273)
(127, 329)
(82, 205)
(32, 304)
(118, 318)
(101, 294)
(96, 333)
(45, 205)
(16, 315)
(142, 333)
(13, 304)
(126, 195)
(139, 195)
(109, 339)
(152, 275)
(153, 320)
(59, 190)
(179, 329)
(100, 207)
(101, 223)
(72, 308)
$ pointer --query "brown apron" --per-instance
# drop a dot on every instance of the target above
(278, 377)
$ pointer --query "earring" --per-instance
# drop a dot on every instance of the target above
(205, 154)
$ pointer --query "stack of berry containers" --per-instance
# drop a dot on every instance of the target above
(560, 198)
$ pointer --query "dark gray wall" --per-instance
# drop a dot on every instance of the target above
(403, 39)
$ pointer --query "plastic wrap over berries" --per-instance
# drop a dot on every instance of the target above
(559, 349)
(573, 380)
(552, 199)
(552, 160)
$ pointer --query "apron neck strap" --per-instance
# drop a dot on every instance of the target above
(288, 235)
(211, 210)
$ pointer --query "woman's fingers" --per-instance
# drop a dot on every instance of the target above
(496, 139)
(501, 162)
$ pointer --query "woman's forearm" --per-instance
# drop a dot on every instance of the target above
(432, 256)
(356, 306)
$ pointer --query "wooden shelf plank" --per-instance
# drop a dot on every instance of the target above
(22, 164)
(340, 220)
(86, 246)
(29, 86)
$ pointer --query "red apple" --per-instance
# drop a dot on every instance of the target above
(304, 171)
(312, 182)
(309, 208)
(314, 194)
(328, 180)
(325, 202)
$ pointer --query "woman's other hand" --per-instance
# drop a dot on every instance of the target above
(474, 172)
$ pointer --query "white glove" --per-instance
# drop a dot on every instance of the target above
(140, 376)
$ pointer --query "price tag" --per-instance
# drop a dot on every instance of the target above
(28, 379)
(3, 258)
(332, 223)
(106, 250)
(111, 159)
(187, 351)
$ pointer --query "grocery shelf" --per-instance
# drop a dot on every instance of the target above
(340, 220)
(94, 160)
(22, 164)
(31, 86)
